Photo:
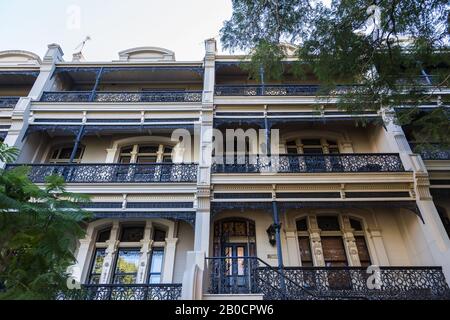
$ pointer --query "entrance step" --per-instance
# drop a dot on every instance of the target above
(251, 296)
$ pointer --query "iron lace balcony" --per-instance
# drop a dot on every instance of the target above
(123, 292)
(310, 163)
(251, 275)
(114, 173)
(123, 96)
(275, 90)
(8, 102)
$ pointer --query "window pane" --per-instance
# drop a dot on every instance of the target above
(334, 252)
(126, 150)
(148, 149)
(155, 279)
(356, 225)
(125, 159)
(132, 234)
(327, 223)
(292, 150)
(156, 265)
(167, 159)
(65, 153)
(146, 159)
(103, 235)
(301, 225)
(159, 235)
(100, 255)
(305, 251)
(157, 260)
(97, 265)
(127, 266)
(311, 142)
(167, 150)
(312, 150)
(363, 251)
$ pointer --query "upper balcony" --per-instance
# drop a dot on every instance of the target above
(312, 163)
(18, 72)
(125, 83)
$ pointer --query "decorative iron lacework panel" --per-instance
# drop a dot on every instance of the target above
(149, 96)
(323, 283)
(435, 152)
(121, 96)
(311, 163)
(8, 102)
(123, 292)
(274, 90)
(66, 96)
(114, 173)
(397, 283)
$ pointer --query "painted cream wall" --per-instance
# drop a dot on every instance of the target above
(185, 243)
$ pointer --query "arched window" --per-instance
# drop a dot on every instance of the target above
(146, 153)
(126, 259)
(62, 154)
(331, 236)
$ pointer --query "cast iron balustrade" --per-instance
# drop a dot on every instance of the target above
(114, 173)
(123, 292)
(251, 275)
(434, 152)
(8, 102)
(123, 96)
(310, 163)
(274, 90)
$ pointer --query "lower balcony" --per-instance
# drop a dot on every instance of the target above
(311, 163)
(251, 275)
(114, 173)
(123, 292)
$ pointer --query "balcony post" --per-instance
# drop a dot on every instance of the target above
(97, 82)
(76, 144)
(277, 226)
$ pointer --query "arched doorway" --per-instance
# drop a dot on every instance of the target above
(234, 247)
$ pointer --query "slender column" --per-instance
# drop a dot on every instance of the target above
(277, 226)
(76, 144)
(97, 82)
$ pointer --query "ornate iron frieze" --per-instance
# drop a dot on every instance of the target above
(313, 163)
(114, 173)
(123, 292)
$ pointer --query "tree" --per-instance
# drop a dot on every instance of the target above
(39, 230)
(390, 48)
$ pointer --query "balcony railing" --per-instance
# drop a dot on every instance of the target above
(114, 173)
(8, 102)
(274, 90)
(434, 152)
(245, 275)
(122, 96)
(123, 292)
(310, 163)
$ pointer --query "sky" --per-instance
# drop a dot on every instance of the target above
(113, 25)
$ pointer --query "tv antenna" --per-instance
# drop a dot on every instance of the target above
(82, 44)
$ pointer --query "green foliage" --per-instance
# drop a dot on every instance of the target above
(337, 46)
(39, 229)
(8, 154)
